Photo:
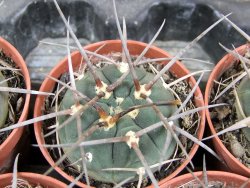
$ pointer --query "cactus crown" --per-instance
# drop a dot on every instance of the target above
(118, 155)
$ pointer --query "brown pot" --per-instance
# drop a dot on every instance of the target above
(135, 48)
(224, 64)
(7, 148)
(36, 179)
(230, 179)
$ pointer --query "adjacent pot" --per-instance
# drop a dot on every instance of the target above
(32, 178)
(224, 64)
(230, 179)
(135, 48)
(7, 148)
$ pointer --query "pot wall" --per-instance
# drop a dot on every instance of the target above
(114, 45)
(8, 148)
(232, 163)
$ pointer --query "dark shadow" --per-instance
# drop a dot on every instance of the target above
(186, 21)
(40, 19)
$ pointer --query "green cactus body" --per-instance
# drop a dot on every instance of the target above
(243, 92)
(3, 102)
(118, 155)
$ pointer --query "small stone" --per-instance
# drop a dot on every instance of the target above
(236, 148)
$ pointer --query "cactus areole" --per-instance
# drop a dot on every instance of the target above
(117, 155)
(243, 92)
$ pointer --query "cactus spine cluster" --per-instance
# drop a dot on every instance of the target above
(118, 155)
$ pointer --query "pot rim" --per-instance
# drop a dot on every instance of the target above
(214, 175)
(215, 74)
(39, 178)
(8, 145)
(152, 50)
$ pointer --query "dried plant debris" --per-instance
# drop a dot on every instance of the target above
(11, 77)
(223, 117)
(189, 122)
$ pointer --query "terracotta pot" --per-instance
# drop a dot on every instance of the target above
(36, 179)
(135, 48)
(7, 148)
(230, 179)
(224, 64)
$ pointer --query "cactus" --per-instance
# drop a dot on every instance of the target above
(118, 155)
(243, 92)
(121, 110)
(3, 102)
